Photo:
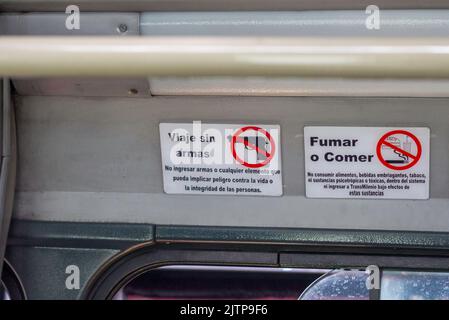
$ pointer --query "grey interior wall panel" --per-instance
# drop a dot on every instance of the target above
(254, 23)
(54, 24)
(229, 86)
(98, 159)
(259, 86)
(85, 87)
(401, 23)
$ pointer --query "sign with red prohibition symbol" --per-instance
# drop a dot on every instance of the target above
(367, 162)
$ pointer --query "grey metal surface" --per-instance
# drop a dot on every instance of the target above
(8, 164)
(404, 23)
(42, 269)
(79, 235)
(318, 239)
(87, 87)
(230, 5)
(281, 23)
(222, 86)
(99, 160)
(307, 260)
(258, 86)
(55, 24)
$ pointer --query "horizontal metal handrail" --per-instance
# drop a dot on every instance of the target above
(172, 56)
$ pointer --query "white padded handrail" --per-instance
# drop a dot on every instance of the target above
(154, 56)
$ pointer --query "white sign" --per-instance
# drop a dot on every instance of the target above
(367, 162)
(222, 159)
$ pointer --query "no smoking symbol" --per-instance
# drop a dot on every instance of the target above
(399, 150)
(256, 139)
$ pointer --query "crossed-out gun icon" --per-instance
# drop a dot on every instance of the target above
(256, 143)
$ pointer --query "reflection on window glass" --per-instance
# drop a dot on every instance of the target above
(339, 285)
(214, 282)
(4, 295)
(222, 282)
(408, 285)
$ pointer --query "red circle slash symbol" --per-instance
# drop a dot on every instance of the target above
(256, 139)
(399, 150)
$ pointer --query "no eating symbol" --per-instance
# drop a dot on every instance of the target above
(399, 150)
(257, 139)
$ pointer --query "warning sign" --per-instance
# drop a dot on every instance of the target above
(367, 162)
(222, 159)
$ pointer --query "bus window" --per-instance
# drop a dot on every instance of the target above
(219, 282)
